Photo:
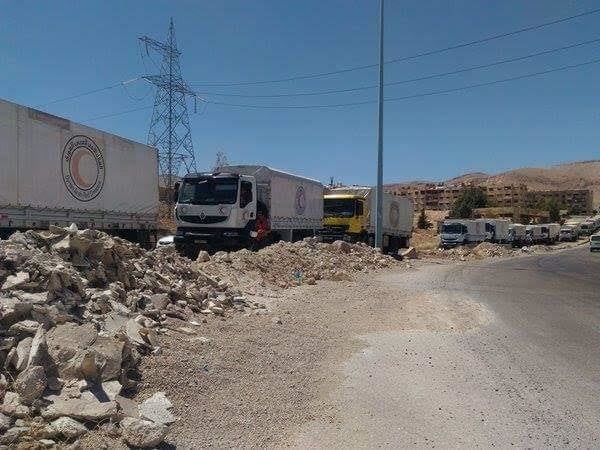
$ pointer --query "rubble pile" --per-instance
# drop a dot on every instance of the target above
(466, 253)
(78, 309)
(287, 264)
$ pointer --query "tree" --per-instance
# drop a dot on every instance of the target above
(221, 161)
(553, 210)
(423, 223)
(468, 200)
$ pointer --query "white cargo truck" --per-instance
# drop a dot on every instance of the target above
(517, 234)
(462, 231)
(496, 230)
(534, 235)
(350, 216)
(550, 232)
(245, 206)
(57, 172)
(568, 233)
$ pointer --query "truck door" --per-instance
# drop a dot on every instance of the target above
(247, 200)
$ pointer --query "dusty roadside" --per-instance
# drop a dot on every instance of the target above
(256, 379)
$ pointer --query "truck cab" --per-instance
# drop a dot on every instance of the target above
(215, 210)
(453, 233)
(344, 218)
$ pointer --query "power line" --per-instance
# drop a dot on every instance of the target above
(405, 58)
(424, 94)
(366, 102)
(410, 80)
(93, 91)
(127, 111)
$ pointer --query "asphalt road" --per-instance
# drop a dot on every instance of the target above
(524, 373)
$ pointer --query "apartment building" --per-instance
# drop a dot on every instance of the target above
(580, 201)
(442, 197)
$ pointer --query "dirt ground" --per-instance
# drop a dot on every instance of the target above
(260, 377)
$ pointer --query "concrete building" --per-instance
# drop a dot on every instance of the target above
(580, 201)
(442, 197)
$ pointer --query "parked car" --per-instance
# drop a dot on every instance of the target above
(165, 241)
(594, 242)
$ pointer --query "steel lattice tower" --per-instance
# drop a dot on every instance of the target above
(170, 127)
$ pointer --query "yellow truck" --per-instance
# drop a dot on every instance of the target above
(349, 215)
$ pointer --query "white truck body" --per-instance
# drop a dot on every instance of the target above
(534, 234)
(496, 230)
(551, 232)
(293, 204)
(516, 234)
(56, 172)
(462, 231)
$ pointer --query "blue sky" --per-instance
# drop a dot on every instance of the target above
(67, 47)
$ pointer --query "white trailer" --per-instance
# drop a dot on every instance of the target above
(550, 232)
(517, 234)
(56, 172)
(462, 231)
(534, 235)
(245, 206)
(496, 230)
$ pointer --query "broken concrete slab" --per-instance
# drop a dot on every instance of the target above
(68, 428)
(13, 281)
(86, 407)
(39, 348)
(22, 357)
(24, 327)
(156, 409)
(142, 433)
(13, 407)
(111, 389)
(30, 384)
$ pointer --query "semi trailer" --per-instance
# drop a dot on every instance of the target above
(57, 172)
(245, 206)
(349, 215)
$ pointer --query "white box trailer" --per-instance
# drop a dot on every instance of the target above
(496, 230)
(294, 202)
(517, 234)
(462, 231)
(56, 172)
(550, 232)
(225, 210)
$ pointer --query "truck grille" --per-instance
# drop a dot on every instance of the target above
(206, 219)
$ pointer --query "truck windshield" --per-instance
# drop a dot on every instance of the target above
(452, 228)
(339, 207)
(209, 191)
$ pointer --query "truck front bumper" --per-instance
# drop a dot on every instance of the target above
(209, 237)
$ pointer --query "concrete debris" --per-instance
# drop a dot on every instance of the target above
(466, 253)
(5, 422)
(80, 308)
(285, 264)
(156, 409)
(85, 407)
(30, 384)
(142, 433)
(69, 428)
(409, 253)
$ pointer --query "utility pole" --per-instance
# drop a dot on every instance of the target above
(379, 192)
(170, 129)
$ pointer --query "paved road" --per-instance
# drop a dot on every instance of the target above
(528, 375)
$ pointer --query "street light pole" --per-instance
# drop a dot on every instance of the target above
(379, 192)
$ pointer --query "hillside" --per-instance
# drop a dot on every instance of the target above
(576, 175)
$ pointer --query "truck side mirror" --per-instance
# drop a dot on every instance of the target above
(176, 192)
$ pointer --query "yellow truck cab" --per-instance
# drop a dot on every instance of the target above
(349, 215)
